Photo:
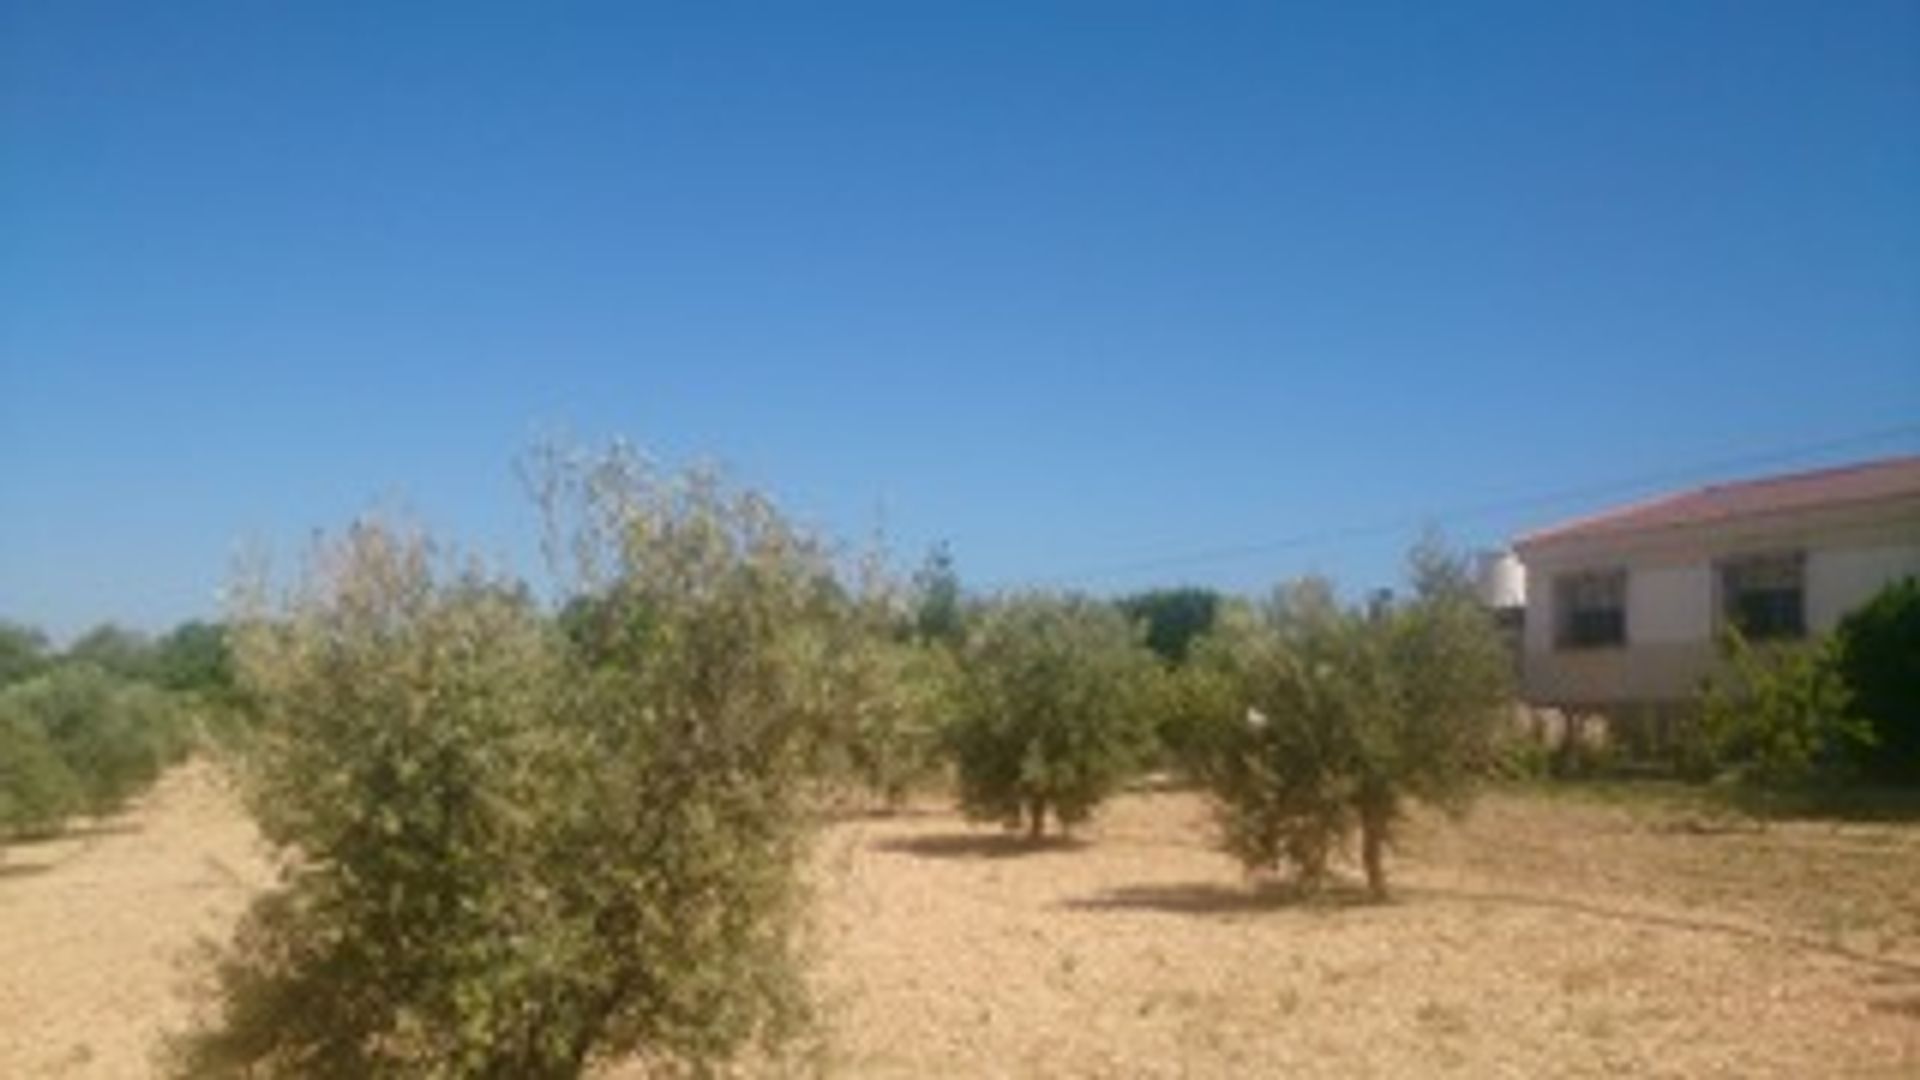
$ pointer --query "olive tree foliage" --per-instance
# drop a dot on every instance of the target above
(401, 758)
(703, 707)
(514, 851)
(1051, 709)
(1322, 720)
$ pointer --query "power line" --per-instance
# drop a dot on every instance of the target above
(1353, 531)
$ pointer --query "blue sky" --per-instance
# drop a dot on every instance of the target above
(1073, 287)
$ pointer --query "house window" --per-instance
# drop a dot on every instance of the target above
(1592, 609)
(1765, 595)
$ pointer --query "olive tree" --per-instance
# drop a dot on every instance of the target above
(515, 851)
(401, 759)
(1337, 717)
(1050, 710)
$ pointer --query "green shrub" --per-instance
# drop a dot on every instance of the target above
(515, 851)
(1520, 756)
(1879, 660)
(1050, 709)
(1778, 715)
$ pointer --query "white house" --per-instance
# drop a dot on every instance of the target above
(1624, 607)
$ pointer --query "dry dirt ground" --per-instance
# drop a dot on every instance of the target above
(1544, 937)
(95, 927)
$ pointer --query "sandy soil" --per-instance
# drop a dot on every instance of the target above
(95, 926)
(1544, 937)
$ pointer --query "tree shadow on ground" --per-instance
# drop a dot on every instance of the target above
(22, 870)
(81, 830)
(1668, 922)
(855, 814)
(1908, 1007)
(976, 845)
(1214, 898)
(1905, 988)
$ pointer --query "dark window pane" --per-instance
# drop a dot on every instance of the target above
(1769, 613)
(1592, 609)
(1762, 595)
(1597, 626)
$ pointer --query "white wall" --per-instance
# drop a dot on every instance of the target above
(1668, 604)
(1840, 580)
(1539, 629)
(1673, 603)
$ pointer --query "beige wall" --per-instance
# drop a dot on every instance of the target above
(1841, 579)
(1638, 673)
(1671, 603)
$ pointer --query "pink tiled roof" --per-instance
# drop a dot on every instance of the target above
(1866, 482)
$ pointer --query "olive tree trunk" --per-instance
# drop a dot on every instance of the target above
(1036, 817)
(1375, 820)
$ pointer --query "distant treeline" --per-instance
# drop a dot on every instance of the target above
(85, 728)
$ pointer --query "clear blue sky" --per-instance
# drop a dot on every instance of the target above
(1073, 287)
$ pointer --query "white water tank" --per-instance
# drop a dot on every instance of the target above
(1500, 580)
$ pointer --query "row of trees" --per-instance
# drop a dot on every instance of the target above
(83, 729)
(516, 844)
(192, 657)
(1309, 721)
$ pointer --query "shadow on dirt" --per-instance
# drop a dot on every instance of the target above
(976, 845)
(80, 830)
(1908, 1007)
(1213, 898)
(853, 814)
(9, 871)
